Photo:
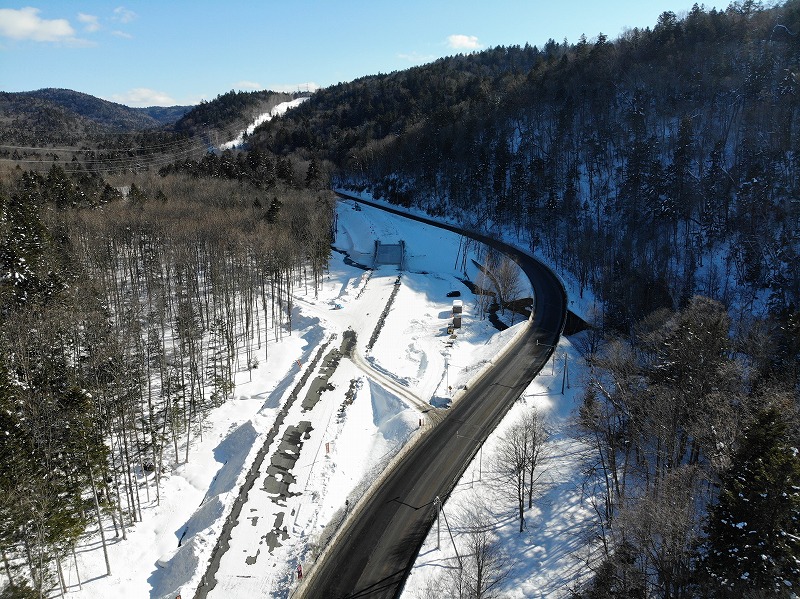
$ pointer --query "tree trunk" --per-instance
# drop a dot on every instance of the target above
(99, 522)
(7, 568)
(77, 571)
(61, 582)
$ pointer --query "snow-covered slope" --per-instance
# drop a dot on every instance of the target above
(262, 118)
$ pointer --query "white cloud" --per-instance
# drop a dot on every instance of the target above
(248, 85)
(417, 58)
(26, 24)
(123, 15)
(289, 88)
(463, 42)
(143, 97)
(90, 22)
(122, 34)
(278, 87)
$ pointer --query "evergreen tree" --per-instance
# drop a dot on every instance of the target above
(312, 174)
(24, 272)
(753, 542)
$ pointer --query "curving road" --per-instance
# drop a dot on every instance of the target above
(373, 553)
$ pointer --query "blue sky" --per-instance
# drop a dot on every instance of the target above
(167, 52)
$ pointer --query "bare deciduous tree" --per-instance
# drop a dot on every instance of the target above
(517, 459)
(486, 566)
(482, 566)
(534, 423)
(507, 277)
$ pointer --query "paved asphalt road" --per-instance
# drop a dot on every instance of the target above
(374, 553)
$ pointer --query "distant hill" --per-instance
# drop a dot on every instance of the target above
(231, 112)
(48, 125)
(166, 115)
(66, 117)
(63, 117)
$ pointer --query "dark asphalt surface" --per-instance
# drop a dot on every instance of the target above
(375, 552)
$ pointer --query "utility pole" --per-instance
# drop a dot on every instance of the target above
(480, 451)
(438, 503)
(447, 365)
(439, 513)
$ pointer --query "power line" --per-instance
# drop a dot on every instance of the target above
(146, 156)
(203, 134)
(121, 164)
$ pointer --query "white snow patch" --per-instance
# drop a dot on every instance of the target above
(260, 119)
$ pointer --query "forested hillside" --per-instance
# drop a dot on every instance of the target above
(115, 116)
(64, 117)
(81, 132)
(660, 170)
(653, 166)
(230, 112)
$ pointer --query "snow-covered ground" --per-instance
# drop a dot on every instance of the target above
(338, 429)
(549, 558)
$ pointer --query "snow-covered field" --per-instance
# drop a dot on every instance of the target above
(338, 429)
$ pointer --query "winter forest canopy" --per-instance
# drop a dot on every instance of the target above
(660, 169)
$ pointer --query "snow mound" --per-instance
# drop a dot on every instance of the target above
(232, 452)
(178, 567)
(389, 414)
(175, 570)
